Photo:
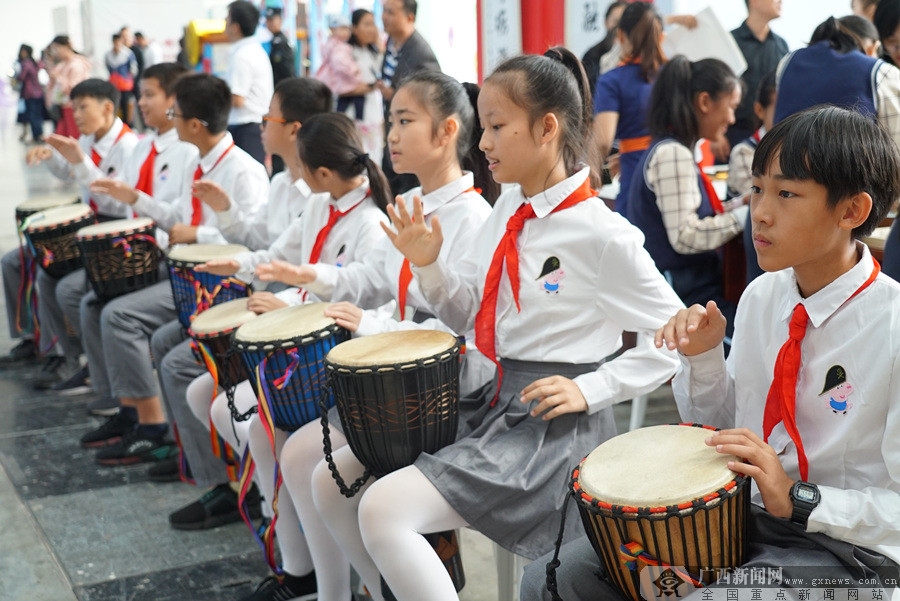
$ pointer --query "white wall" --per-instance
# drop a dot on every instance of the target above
(32, 23)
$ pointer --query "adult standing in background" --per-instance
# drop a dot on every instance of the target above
(282, 54)
(407, 52)
(130, 41)
(70, 70)
(364, 103)
(123, 73)
(152, 53)
(31, 92)
(762, 49)
(864, 8)
(887, 22)
(591, 58)
(249, 77)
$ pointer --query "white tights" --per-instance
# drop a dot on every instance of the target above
(381, 528)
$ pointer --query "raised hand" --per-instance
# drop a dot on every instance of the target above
(66, 146)
(417, 241)
(38, 154)
(220, 267)
(282, 271)
(115, 189)
(557, 396)
(263, 302)
(347, 315)
(694, 330)
(212, 194)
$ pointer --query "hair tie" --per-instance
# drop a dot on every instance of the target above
(361, 159)
(554, 54)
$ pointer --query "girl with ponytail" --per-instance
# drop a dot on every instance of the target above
(623, 94)
(551, 281)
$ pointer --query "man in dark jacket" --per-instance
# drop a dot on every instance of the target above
(281, 55)
(407, 52)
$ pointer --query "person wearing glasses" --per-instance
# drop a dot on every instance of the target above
(249, 77)
(200, 116)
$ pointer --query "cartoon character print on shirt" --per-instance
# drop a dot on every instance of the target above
(837, 390)
(551, 276)
(341, 256)
(111, 172)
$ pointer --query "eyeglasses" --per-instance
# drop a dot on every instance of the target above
(171, 114)
(267, 118)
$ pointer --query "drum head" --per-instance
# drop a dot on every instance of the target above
(201, 253)
(391, 348)
(42, 203)
(58, 215)
(288, 323)
(221, 318)
(657, 466)
(117, 226)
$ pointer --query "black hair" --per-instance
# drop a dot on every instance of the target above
(116, 37)
(355, 19)
(443, 97)
(887, 19)
(63, 40)
(767, 90)
(138, 35)
(303, 97)
(842, 150)
(410, 7)
(554, 83)
(27, 50)
(99, 89)
(331, 140)
(643, 27)
(671, 111)
(845, 34)
(166, 74)
(245, 15)
(204, 96)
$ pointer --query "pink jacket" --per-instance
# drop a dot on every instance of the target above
(338, 71)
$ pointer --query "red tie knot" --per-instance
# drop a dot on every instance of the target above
(517, 221)
(797, 328)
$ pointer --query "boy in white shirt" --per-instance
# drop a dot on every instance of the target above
(102, 150)
(820, 437)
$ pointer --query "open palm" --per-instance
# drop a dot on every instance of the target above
(417, 241)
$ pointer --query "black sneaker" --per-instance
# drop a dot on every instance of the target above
(168, 470)
(104, 406)
(50, 372)
(109, 432)
(289, 588)
(136, 447)
(75, 384)
(219, 506)
(26, 350)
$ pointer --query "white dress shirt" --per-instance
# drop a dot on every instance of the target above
(242, 177)
(250, 77)
(287, 200)
(606, 283)
(115, 153)
(854, 457)
(169, 168)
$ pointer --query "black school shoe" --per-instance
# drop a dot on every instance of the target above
(136, 447)
(26, 350)
(76, 383)
(50, 373)
(110, 432)
(168, 470)
(289, 588)
(219, 506)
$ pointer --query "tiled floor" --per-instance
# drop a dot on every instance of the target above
(72, 530)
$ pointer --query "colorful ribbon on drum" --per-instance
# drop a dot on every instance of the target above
(126, 245)
(205, 299)
(27, 296)
(632, 553)
(221, 449)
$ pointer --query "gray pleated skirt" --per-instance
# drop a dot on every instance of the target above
(507, 472)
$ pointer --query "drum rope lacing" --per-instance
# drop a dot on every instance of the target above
(357, 484)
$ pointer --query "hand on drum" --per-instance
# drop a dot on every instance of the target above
(115, 189)
(219, 267)
(38, 154)
(347, 315)
(182, 234)
(557, 396)
(263, 302)
(212, 194)
(760, 463)
(417, 241)
(282, 271)
(66, 146)
(694, 330)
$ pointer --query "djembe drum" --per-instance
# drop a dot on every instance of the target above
(120, 256)
(284, 349)
(51, 234)
(41, 203)
(636, 514)
(213, 334)
(195, 292)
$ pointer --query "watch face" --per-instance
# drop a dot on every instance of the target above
(805, 494)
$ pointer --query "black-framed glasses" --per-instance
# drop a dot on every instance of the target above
(171, 114)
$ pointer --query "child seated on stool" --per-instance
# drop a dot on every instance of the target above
(816, 417)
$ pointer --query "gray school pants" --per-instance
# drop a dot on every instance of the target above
(177, 368)
(11, 269)
(59, 302)
(116, 337)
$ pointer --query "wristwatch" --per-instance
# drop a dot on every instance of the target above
(805, 497)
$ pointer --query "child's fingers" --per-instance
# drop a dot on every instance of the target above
(418, 212)
(403, 212)
(717, 319)
(697, 318)
(436, 228)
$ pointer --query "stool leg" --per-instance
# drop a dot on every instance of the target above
(638, 410)
(509, 571)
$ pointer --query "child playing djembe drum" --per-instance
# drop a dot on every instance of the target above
(820, 437)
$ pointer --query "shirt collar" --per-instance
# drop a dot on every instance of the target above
(301, 186)
(433, 201)
(165, 141)
(550, 198)
(824, 303)
(241, 43)
(105, 144)
(745, 32)
(212, 157)
(351, 198)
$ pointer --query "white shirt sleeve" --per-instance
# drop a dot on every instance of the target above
(887, 95)
(254, 232)
(704, 389)
(287, 247)
(453, 294)
(364, 283)
(240, 77)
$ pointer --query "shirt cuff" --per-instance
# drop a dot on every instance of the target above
(430, 276)
(593, 386)
(368, 325)
(207, 234)
(292, 296)
(707, 363)
(326, 280)
(226, 217)
(82, 172)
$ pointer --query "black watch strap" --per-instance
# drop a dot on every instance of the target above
(805, 498)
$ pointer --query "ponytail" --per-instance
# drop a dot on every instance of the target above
(643, 26)
(845, 34)
(331, 140)
(671, 112)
